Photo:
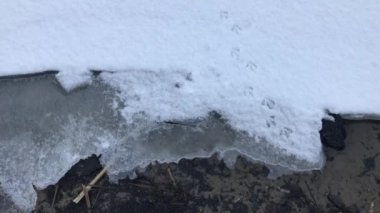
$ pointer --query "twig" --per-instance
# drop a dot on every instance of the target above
(121, 187)
(220, 207)
(104, 187)
(337, 202)
(55, 195)
(371, 207)
(93, 182)
(311, 194)
(171, 177)
(141, 185)
(87, 197)
(97, 196)
(283, 190)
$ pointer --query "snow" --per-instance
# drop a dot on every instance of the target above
(156, 94)
(271, 68)
(72, 80)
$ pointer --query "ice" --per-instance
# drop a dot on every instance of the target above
(271, 69)
(44, 131)
(164, 96)
(72, 80)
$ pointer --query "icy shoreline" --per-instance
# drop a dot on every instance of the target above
(65, 133)
(45, 130)
(346, 183)
(272, 70)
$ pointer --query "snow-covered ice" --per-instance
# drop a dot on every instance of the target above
(271, 68)
(44, 131)
(72, 80)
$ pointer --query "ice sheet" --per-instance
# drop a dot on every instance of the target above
(44, 131)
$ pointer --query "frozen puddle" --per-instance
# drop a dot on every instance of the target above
(44, 131)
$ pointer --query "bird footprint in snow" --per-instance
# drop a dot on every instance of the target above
(251, 66)
(249, 91)
(236, 28)
(286, 132)
(269, 103)
(223, 15)
(271, 121)
(235, 52)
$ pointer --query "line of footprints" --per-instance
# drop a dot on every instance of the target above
(235, 51)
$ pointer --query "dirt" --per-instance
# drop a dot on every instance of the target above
(350, 182)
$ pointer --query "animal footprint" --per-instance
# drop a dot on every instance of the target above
(178, 85)
(223, 15)
(251, 66)
(235, 52)
(189, 76)
(214, 72)
(286, 132)
(248, 91)
(236, 29)
(271, 121)
(269, 103)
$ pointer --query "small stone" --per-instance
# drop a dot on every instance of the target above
(333, 133)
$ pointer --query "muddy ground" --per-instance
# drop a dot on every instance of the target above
(350, 182)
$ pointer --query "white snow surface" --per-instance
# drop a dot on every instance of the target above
(272, 68)
(72, 80)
